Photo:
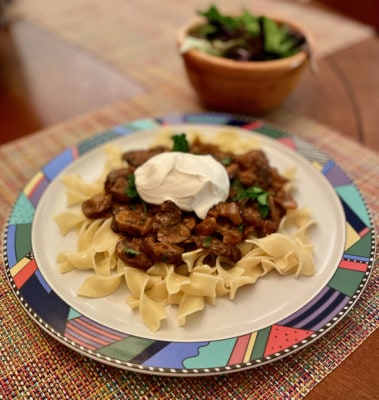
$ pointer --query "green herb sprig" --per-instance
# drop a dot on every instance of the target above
(180, 143)
(258, 194)
(207, 241)
(131, 252)
(131, 189)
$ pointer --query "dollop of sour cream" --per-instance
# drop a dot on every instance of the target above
(193, 182)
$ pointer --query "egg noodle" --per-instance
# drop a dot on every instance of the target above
(193, 284)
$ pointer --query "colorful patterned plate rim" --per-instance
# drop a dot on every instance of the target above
(203, 356)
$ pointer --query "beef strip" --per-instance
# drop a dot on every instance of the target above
(173, 234)
(129, 222)
(136, 158)
(168, 214)
(218, 247)
(117, 184)
(164, 252)
(132, 251)
(98, 206)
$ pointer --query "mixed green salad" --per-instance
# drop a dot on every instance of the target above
(244, 37)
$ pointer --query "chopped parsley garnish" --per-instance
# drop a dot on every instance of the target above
(180, 143)
(144, 206)
(226, 160)
(130, 252)
(207, 241)
(131, 189)
(237, 186)
(255, 193)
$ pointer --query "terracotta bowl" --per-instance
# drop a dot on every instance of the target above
(247, 87)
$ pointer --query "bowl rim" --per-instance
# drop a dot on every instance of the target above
(293, 61)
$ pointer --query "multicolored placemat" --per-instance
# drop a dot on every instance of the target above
(35, 365)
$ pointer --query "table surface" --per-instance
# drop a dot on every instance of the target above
(37, 62)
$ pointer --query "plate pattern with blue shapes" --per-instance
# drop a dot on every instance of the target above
(140, 354)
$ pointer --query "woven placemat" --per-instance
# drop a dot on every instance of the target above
(34, 365)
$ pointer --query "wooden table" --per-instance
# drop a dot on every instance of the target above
(344, 95)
